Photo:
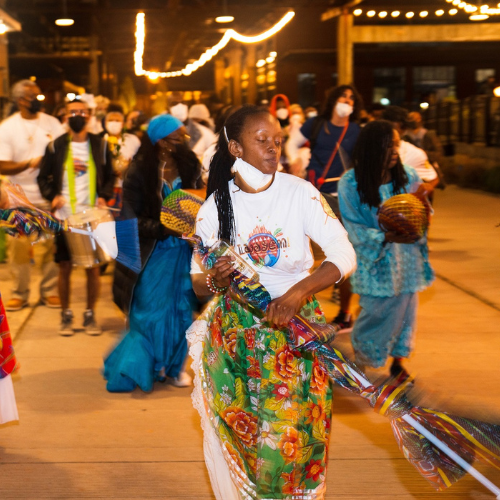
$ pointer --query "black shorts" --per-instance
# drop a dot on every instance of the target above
(62, 251)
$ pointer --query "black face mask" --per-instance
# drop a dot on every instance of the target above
(35, 106)
(76, 123)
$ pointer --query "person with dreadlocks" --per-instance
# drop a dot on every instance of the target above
(265, 407)
(160, 300)
(391, 268)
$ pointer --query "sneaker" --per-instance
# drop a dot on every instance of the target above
(89, 323)
(66, 329)
(182, 380)
(53, 302)
(15, 304)
(398, 371)
(343, 321)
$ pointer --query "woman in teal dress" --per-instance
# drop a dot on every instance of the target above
(391, 268)
(159, 301)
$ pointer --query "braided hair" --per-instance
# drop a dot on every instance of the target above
(370, 157)
(220, 169)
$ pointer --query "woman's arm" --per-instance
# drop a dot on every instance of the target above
(284, 308)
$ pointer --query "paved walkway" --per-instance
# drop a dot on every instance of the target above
(76, 441)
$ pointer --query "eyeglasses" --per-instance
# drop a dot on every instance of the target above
(78, 112)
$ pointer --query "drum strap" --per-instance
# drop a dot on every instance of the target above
(70, 169)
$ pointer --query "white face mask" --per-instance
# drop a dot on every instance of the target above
(180, 111)
(114, 128)
(312, 114)
(343, 109)
(252, 176)
(282, 113)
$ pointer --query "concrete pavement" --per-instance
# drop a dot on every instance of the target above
(76, 441)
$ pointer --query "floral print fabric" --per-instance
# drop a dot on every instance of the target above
(269, 403)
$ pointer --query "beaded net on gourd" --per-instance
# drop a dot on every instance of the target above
(179, 211)
(404, 214)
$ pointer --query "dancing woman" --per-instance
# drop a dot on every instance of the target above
(392, 268)
(159, 300)
(265, 407)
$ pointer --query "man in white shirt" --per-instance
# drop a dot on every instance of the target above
(23, 139)
(74, 175)
(410, 155)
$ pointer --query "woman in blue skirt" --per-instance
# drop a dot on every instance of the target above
(392, 268)
(159, 301)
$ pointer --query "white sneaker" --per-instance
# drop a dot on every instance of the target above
(182, 380)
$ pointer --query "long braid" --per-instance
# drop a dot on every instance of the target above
(220, 170)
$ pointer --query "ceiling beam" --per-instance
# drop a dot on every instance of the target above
(426, 33)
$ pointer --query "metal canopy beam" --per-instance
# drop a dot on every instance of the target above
(9, 21)
(485, 32)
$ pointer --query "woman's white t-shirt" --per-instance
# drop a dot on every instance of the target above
(274, 229)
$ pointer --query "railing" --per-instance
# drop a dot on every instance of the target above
(474, 120)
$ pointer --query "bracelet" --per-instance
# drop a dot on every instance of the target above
(213, 287)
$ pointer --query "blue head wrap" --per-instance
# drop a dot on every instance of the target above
(161, 126)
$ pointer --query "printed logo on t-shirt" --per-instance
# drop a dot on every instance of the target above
(80, 167)
(263, 247)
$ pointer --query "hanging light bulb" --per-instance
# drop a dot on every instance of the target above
(225, 18)
(65, 20)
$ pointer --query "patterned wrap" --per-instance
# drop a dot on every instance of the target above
(25, 221)
(179, 211)
(8, 362)
(267, 395)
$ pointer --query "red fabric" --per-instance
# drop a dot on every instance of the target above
(7, 357)
(274, 100)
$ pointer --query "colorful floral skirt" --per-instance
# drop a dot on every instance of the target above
(265, 406)
(8, 364)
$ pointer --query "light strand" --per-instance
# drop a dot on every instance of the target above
(475, 13)
(140, 36)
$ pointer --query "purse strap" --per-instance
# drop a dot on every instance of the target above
(321, 180)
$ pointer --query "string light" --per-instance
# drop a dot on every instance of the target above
(140, 36)
(480, 13)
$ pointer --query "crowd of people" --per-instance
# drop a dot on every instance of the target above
(277, 178)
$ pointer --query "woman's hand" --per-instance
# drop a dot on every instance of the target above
(392, 237)
(284, 308)
(58, 202)
(221, 271)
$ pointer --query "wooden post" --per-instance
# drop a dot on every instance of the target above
(345, 49)
(220, 83)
